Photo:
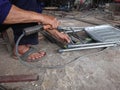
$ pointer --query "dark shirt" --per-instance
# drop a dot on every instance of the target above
(30, 5)
(5, 7)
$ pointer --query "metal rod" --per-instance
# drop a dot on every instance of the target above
(91, 44)
(18, 78)
(68, 28)
(74, 31)
(82, 48)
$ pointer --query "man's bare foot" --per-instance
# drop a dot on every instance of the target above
(22, 49)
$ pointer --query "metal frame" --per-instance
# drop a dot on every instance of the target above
(95, 33)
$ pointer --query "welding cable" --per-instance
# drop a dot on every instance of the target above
(49, 67)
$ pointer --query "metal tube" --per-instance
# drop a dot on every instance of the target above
(69, 31)
(82, 48)
(68, 28)
(91, 44)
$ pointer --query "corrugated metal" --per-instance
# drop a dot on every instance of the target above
(104, 33)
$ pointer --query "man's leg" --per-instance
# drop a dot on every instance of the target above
(4, 27)
(31, 5)
(27, 41)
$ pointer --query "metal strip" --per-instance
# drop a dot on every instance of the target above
(91, 44)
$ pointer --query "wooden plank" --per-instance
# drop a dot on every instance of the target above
(18, 78)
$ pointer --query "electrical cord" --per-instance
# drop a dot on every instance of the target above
(48, 67)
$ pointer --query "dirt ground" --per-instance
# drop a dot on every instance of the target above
(93, 69)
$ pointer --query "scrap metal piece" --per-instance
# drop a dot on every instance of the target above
(18, 78)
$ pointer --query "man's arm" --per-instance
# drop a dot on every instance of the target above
(17, 15)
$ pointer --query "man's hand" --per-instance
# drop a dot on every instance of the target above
(60, 35)
(47, 27)
(63, 37)
(49, 20)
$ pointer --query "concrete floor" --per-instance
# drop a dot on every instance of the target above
(94, 69)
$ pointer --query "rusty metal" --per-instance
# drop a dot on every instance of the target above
(18, 78)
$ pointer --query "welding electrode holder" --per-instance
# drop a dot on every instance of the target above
(31, 30)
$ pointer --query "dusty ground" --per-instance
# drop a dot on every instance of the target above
(94, 69)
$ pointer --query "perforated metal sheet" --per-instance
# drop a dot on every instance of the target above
(104, 33)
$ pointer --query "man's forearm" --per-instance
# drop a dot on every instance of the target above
(17, 15)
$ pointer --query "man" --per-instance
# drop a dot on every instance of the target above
(25, 13)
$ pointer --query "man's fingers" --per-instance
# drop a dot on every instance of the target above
(66, 37)
(46, 27)
(55, 23)
(52, 24)
(50, 20)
